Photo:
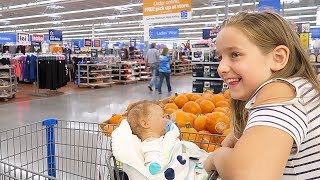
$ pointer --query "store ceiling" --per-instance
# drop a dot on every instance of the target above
(111, 20)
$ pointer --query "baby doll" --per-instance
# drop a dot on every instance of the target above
(149, 123)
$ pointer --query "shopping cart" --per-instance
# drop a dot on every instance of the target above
(55, 149)
(66, 150)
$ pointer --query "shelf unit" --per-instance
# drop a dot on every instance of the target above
(187, 66)
(204, 70)
(178, 68)
(8, 82)
(94, 75)
(126, 72)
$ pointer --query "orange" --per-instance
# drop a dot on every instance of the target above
(217, 97)
(221, 109)
(169, 110)
(213, 124)
(195, 97)
(115, 119)
(200, 122)
(180, 100)
(108, 129)
(192, 107)
(222, 103)
(207, 106)
(171, 105)
(205, 145)
(227, 94)
(188, 133)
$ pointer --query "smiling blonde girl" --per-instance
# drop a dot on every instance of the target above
(276, 102)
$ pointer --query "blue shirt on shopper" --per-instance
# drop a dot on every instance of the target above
(164, 64)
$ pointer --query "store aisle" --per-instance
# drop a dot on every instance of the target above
(90, 106)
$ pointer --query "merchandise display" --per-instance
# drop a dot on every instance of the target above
(8, 82)
(70, 72)
(204, 70)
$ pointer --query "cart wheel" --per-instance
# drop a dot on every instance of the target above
(6, 99)
(13, 96)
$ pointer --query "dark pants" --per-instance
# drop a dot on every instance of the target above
(162, 76)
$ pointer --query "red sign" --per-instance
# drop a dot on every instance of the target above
(96, 43)
(87, 42)
(37, 37)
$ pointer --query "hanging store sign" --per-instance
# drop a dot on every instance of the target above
(96, 43)
(23, 39)
(105, 43)
(7, 38)
(55, 35)
(133, 42)
(269, 5)
(37, 37)
(36, 47)
(87, 42)
(94, 52)
(155, 11)
(164, 33)
(315, 33)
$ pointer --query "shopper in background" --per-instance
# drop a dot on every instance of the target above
(275, 101)
(164, 69)
(152, 59)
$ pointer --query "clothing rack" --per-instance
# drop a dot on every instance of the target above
(53, 89)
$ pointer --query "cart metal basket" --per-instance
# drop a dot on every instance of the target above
(66, 150)
(54, 149)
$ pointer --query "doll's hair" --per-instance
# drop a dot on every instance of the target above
(267, 30)
(140, 110)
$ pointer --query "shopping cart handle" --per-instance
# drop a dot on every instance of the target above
(213, 176)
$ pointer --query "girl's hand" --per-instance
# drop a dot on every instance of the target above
(208, 164)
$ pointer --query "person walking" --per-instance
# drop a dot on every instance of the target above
(164, 69)
(152, 59)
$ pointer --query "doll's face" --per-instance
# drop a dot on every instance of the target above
(158, 120)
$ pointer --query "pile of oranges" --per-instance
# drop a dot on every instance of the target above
(202, 118)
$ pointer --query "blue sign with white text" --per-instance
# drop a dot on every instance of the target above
(315, 33)
(164, 33)
(6, 38)
(105, 43)
(55, 35)
(267, 5)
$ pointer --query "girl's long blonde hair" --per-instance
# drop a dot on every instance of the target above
(267, 30)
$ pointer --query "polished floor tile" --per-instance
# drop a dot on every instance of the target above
(86, 106)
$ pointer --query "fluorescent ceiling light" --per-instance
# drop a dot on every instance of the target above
(54, 16)
(299, 16)
(122, 8)
(73, 12)
(301, 8)
(75, 20)
(31, 4)
(53, 6)
(219, 7)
